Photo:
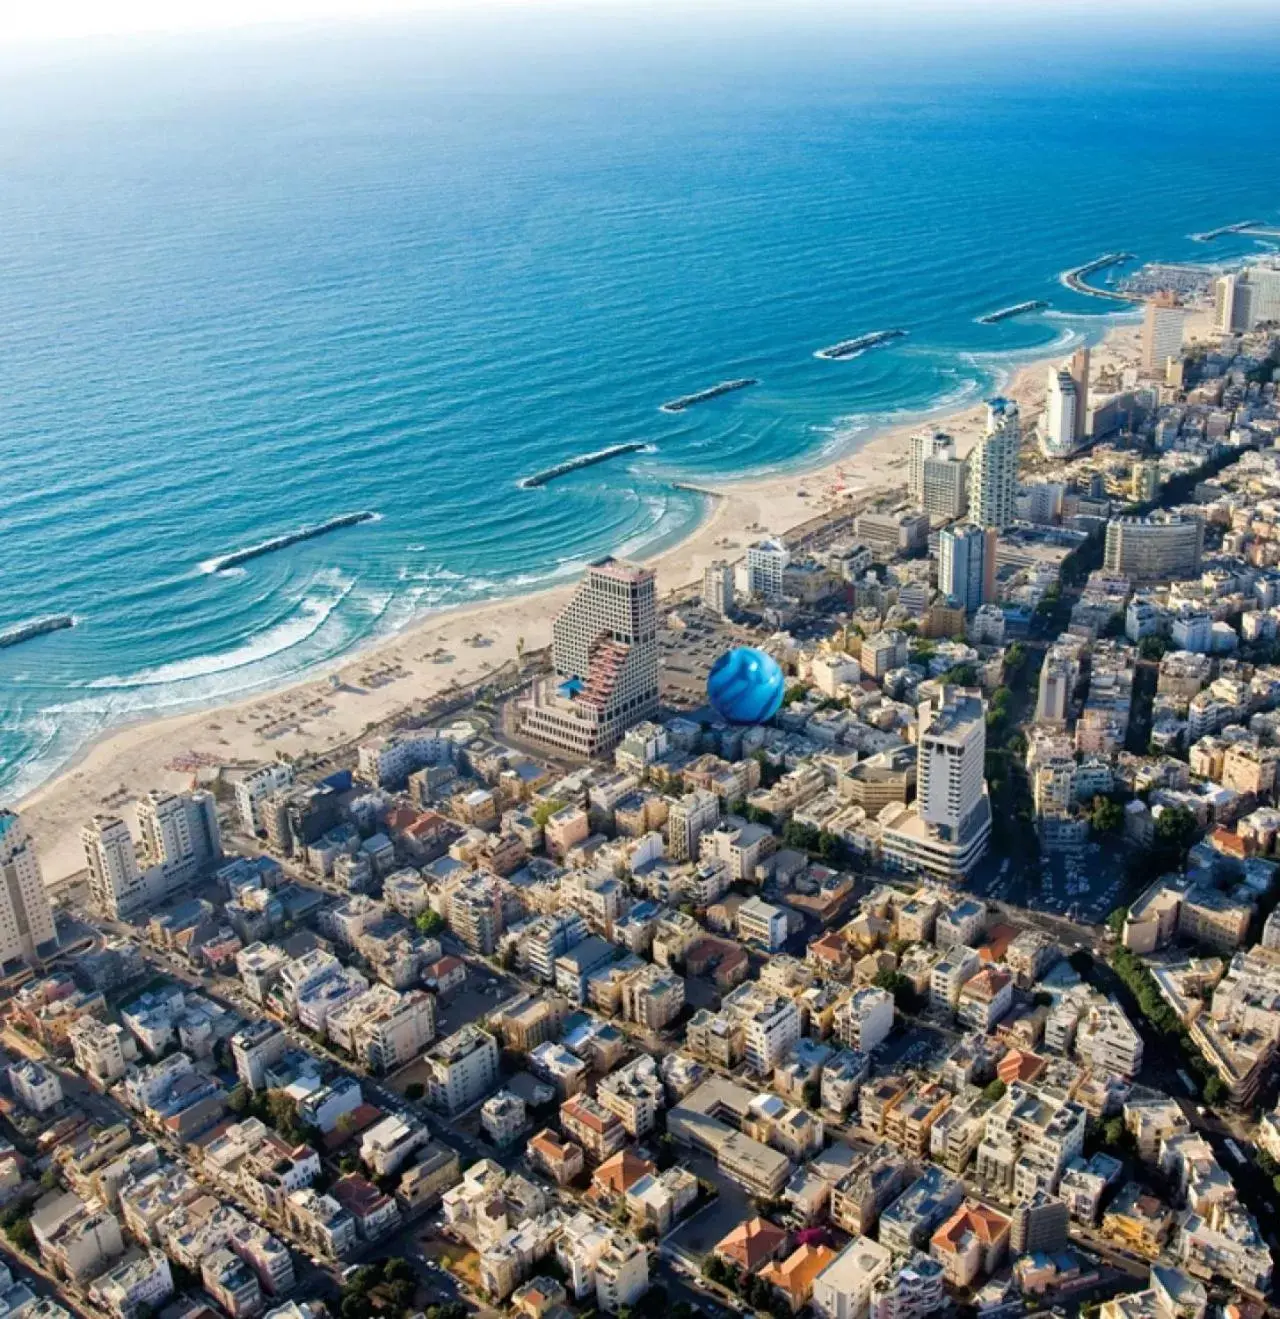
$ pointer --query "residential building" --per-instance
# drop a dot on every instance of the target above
(843, 1289)
(767, 562)
(967, 565)
(971, 1243)
(993, 467)
(26, 919)
(461, 1069)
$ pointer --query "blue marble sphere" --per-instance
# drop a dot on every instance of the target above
(745, 686)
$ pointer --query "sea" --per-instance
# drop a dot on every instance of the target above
(251, 282)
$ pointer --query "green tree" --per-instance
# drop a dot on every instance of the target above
(543, 811)
(1215, 1090)
(428, 922)
(994, 1091)
(1107, 816)
(1153, 648)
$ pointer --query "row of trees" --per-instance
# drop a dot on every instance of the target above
(757, 1293)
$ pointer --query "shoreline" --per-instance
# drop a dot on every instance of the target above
(459, 646)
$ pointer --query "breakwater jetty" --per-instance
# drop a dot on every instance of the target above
(38, 627)
(1018, 309)
(237, 557)
(573, 464)
(1076, 278)
(705, 395)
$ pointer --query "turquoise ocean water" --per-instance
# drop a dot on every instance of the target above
(250, 284)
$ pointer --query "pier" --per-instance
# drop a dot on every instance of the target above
(1075, 279)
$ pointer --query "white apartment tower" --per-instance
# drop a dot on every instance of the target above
(717, 588)
(180, 833)
(766, 563)
(1061, 409)
(255, 788)
(604, 649)
(115, 882)
(925, 445)
(950, 788)
(26, 921)
(937, 478)
(993, 467)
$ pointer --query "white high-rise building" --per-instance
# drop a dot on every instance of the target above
(949, 772)
(925, 445)
(605, 652)
(937, 479)
(1079, 373)
(1061, 407)
(1245, 300)
(766, 563)
(966, 565)
(115, 882)
(1162, 324)
(993, 467)
(717, 588)
(946, 830)
(180, 833)
(26, 921)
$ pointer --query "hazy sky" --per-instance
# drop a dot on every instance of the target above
(45, 20)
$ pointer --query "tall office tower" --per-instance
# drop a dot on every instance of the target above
(966, 565)
(993, 467)
(26, 920)
(717, 588)
(115, 882)
(1162, 323)
(1061, 410)
(1246, 300)
(604, 648)
(766, 562)
(180, 833)
(925, 445)
(1080, 376)
(952, 745)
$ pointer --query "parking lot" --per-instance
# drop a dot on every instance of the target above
(699, 1234)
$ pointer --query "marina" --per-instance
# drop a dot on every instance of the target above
(705, 395)
(1018, 309)
(38, 627)
(847, 348)
(573, 464)
(238, 557)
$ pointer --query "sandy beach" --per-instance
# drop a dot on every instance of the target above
(459, 647)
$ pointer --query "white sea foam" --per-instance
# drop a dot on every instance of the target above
(313, 612)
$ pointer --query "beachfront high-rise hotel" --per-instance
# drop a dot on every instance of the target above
(993, 467)
(604, 648)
